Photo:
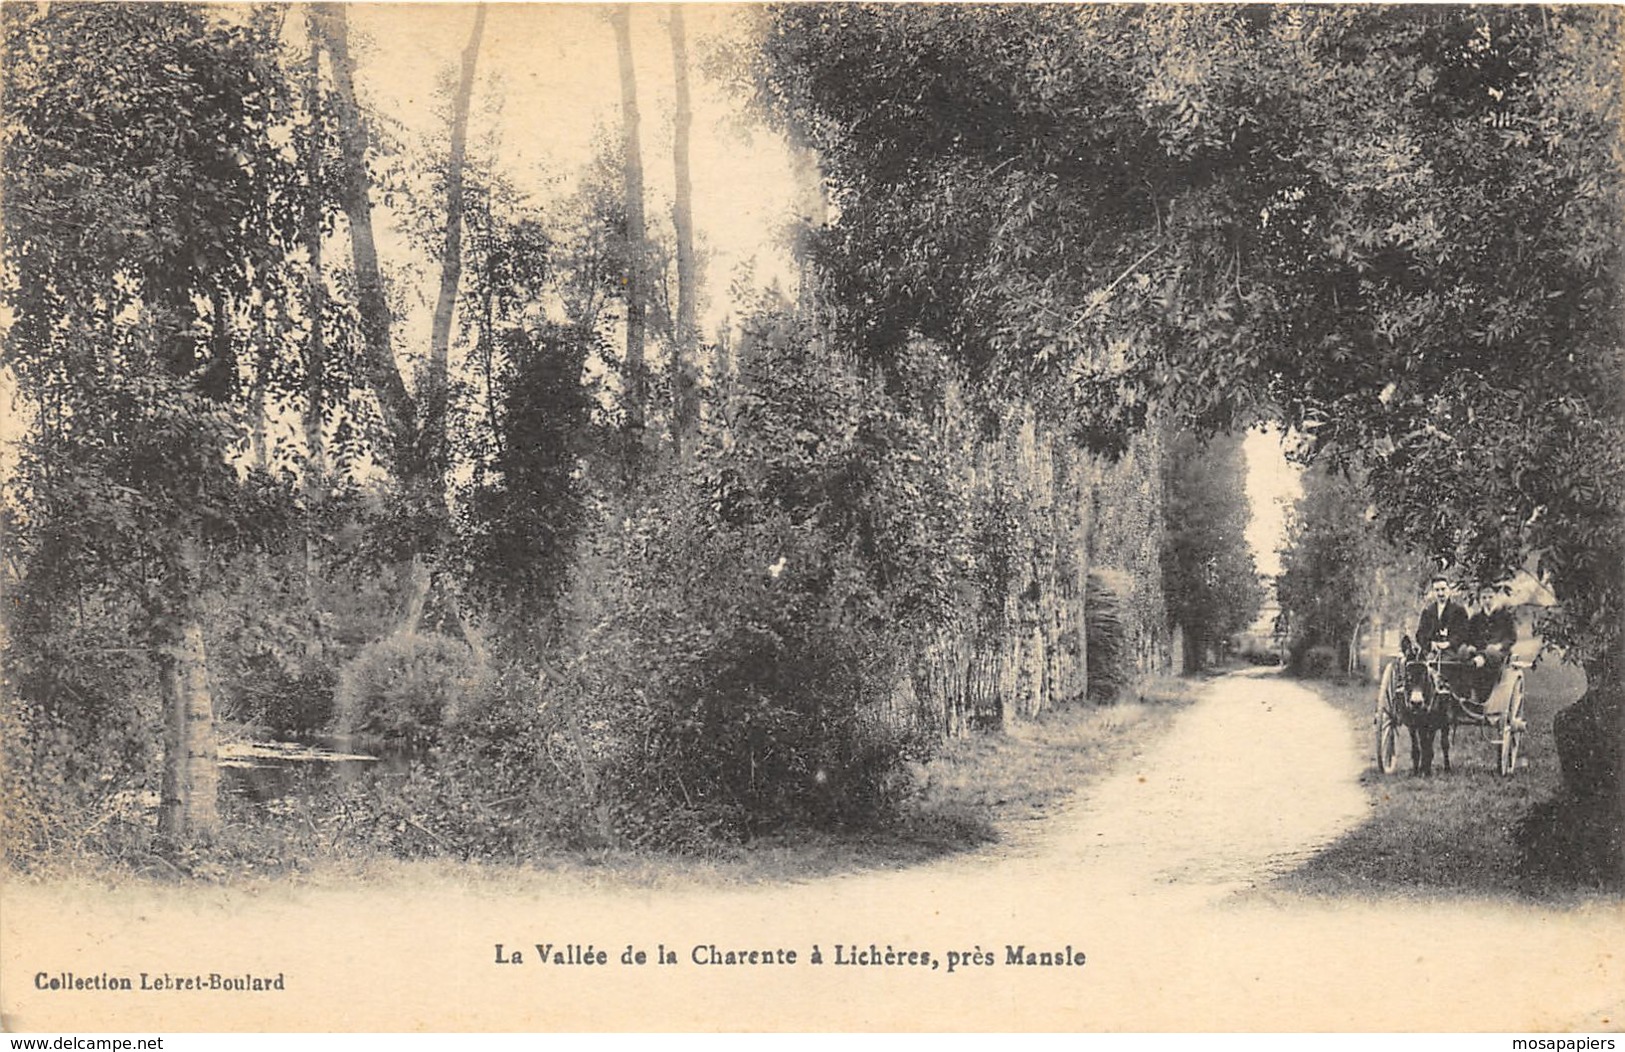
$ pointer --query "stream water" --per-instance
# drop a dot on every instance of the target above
(262, 771)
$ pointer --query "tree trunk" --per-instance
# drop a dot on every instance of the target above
(415, 582)
(685, 374)
(188, 805)
(354, 185)
(1353, 653)
(636, 394)
(548, 681)
(433, 395)
(722, 365)
(1590, 734)
(313, 480)
(315, 280)
(259, 447)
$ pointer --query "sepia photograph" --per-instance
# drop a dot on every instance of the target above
(812, 518)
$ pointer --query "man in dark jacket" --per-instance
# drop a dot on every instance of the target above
(1490, 635)
(1444, 623)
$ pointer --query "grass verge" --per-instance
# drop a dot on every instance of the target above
(988, 788)
(1450, 834)
(975, 792)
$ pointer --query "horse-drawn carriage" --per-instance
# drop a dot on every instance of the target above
(1431, 693)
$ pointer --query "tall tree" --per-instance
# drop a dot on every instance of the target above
(354, 191)
(685, 366)
(1337, 570)
(140, 186)
(451, 260)
(315, 280)
(1209, 577)
(637, 274)
(416, 425)
(405, 452)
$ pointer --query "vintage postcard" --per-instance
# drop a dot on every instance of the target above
(811, 518)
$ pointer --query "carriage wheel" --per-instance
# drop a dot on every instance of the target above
(1512, 727)
(1387, 723)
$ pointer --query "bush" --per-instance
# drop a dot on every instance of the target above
(738, 699)
(75, 787)
(503, 784)
(506, 782)
(747, 616)
(404, 686)
(79, 722)
(1572, 841)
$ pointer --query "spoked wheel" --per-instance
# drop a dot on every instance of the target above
(1512, 725)
(1387, 721)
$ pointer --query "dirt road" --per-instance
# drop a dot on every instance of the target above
(1137, 879)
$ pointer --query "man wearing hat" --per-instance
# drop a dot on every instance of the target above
(1490, 635)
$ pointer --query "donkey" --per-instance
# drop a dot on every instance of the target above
(1428, 710)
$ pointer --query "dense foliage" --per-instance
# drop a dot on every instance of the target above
(1398, 235)
(1337, 573)
(115, 244)
(750, 616)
